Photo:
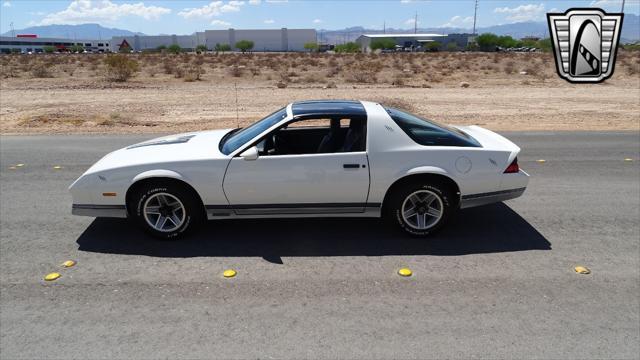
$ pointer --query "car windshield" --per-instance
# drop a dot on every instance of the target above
(238, 138)
(429, 133)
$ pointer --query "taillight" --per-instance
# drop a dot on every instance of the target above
(513, 168)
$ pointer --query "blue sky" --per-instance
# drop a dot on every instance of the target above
(185, 17)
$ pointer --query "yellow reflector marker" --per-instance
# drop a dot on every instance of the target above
(19, 165)
(541, 161)
(109, 194)
(68, 263)
(404, 272)
(582, 270)
(628, 159)
(229, 273)
(52, 276)
(57, 167)
(12, 167)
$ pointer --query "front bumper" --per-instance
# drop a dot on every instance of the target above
(115, 211)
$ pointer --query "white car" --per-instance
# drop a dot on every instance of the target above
(308, 159)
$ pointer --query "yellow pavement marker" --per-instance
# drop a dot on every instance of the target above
(19, 165)
(52, 276)
(628, 159)
(582, 270)
(57, 167)
(12, 168)
(68, 263)
(229, 273)
(405, 272)
(541, 161)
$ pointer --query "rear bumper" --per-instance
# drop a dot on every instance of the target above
(117, 211)
(516, 184)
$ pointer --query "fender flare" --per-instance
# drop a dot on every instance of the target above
(159, 173)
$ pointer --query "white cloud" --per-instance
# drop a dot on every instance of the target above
(254, 2)
(317, 21)
(6, 4)
(413, 1)
(84, 11)
(277, 1)
(613, 4)
(458, 21)
(211, 10)
(411, 22)
(269, 21)
(220, 23)
(521, 13)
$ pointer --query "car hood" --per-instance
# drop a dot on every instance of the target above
(193, 146)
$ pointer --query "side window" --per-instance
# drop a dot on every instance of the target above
(317, 135)
(429, 133)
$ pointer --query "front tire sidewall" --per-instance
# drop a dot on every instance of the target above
(402, 195)
(181, 195)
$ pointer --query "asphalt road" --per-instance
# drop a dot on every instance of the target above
(497, 283)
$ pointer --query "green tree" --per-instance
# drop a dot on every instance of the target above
(49, 49)
(349, 47)
(452, 46)
(222, 48)
(311, 46)
(76, 48)
(487, 41)
(174, 49)
(508, 42)
(244, 45)
(544, 44)
(201, 48)
(383, 44)
(434, 46)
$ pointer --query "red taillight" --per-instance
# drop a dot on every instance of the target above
(513, 168)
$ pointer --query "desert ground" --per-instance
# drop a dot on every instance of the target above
(71, 93)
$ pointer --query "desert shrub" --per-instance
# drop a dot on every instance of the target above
(120, 68)
(281, 85)
(41, 70)
(201, 49)
(398, 80)
(385, 44)
(236, 71)
(349, 47)
(174, 49)
(193, 72)
(222, 48)
(330, 85)
(510, 67)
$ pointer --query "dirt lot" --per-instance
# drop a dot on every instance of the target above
(175, 93)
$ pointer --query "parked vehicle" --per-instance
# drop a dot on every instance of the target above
(308, 159)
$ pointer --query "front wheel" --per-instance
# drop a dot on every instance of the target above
(166, 211)
(420, 209)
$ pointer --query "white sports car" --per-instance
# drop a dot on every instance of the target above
(308, 159)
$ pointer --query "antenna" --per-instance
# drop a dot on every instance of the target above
(415, 24)
(235, 86)
(622, 11)
(475, 15)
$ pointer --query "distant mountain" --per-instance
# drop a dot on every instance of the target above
(84, 31)
(630, 30)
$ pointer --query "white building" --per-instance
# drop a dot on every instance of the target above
(413, 41)
(264, 40)
(37, 45)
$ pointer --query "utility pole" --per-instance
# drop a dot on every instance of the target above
(384, 27)
(475, 15)
(415, 24)
(13, 32)
(622, 11)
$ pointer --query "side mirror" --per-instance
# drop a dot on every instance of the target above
(250, 154)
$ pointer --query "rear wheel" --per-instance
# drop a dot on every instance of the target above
(167, 211)
(421, 209)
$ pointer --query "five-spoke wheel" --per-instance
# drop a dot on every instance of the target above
(420, 209)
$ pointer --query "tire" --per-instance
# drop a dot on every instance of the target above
(167, 210)
(432, 206)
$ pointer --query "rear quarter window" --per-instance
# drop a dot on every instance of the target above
(429, 133)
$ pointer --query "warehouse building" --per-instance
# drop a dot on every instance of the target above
(32, 44)
(264, 40)
(414, 42)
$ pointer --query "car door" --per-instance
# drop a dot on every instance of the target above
(304, 183)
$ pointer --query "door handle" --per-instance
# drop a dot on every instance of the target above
(351, 166)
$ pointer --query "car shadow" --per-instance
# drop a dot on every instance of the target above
(489, 229)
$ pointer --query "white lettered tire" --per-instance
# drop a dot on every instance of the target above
(421, 209)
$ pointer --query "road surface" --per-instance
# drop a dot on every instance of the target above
(497, 283)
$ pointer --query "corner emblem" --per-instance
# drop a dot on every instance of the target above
(585, 42)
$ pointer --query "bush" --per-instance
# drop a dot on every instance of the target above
(311, 46)
(383, 44)
(49, 49)
(201, 49)
(244, 45)
(349, 47)
(41, 70)
(174, 49)
(222, 47)
(120, 68)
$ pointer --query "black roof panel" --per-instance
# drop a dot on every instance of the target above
(328, 107)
